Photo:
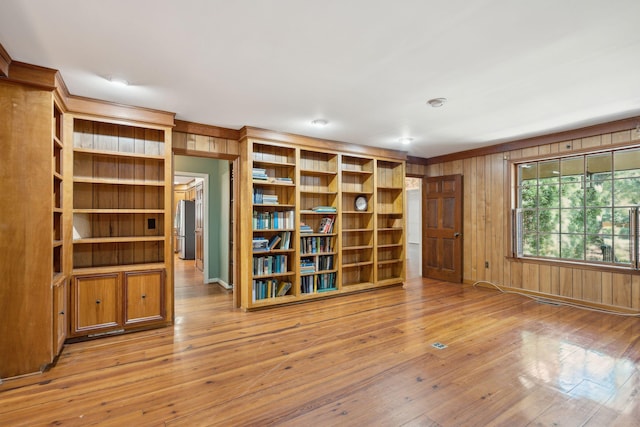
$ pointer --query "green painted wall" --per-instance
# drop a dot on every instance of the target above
(218, 199)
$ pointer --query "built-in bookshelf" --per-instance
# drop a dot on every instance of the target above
(57, 182)
(121, 226)
(343, 223)
(118, 195)
(390, 252)
(273, 222)
(318, 189)
(357, 178)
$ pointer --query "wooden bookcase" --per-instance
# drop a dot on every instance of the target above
(390, 241)
(121, 224)
(357, 226)
(273, 190)
(318, 207)
(334, 248)
(59, 282)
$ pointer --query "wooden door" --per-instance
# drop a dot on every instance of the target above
(144, 296)
(96, 302)
(442, 228)
(199, 227)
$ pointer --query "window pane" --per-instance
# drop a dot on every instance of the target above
(621, 222)
(599, 220)
(599, 193)
(530, 244)
(626, 192)
(549, 172)
(572, 221)
(572, 246)
(572, 195)
(627, 163)
(599, 166)
(549, 220)
(599, 248)
(528, 174)
(528, 197)
(529, 223)
(572, 169)
(549, 245)
(621, 248)
(549, 196)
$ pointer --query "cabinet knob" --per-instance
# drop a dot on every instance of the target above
(97, 301)
(62, 313)
(143, 296)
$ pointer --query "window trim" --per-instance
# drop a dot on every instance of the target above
(511, 206)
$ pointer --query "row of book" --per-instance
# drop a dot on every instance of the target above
(310, 265)
(278, 241)
(314, 245)
(271, 288)
(273, 220)
(325, 226)
(259, 198)
(271, 264)
(260, 174)
(318, 283)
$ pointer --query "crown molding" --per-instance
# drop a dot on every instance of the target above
(289, 138)
(552, 138)
(206, 130)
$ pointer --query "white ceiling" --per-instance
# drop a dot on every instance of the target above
(509, 68)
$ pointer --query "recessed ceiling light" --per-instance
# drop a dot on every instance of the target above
(437, 102)
(405, 140)
(320, 123)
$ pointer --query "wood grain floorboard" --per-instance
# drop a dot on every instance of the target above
(364, 359)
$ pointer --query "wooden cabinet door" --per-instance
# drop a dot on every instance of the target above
(96, 302)
(60, 316)
(144, 296)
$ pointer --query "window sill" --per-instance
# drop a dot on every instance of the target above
(576, 264)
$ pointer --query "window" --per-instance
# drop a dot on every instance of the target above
(579, 208)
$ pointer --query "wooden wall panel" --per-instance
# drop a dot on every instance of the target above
(486, 213)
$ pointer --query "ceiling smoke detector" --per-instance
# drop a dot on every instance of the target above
(319, 123)
(437, 102)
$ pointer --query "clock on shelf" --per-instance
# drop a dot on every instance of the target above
(361, 203)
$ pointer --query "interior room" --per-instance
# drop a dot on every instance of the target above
(286, 213)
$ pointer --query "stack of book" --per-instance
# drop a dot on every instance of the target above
(260, 174)
(281, 180)
(260, 244)
(304, 228)
(324, 209)
(269, 199)
(307, 266)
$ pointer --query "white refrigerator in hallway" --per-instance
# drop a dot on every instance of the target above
(185, 226)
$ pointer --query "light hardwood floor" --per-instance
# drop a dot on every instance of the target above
(361, 360)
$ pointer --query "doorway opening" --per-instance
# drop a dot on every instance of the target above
(190, 225)
(205, 185)
(413, 189)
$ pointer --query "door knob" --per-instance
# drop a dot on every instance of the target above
(456, 234)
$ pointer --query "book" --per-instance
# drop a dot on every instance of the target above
(274, 241)
(283, 288)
